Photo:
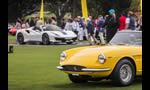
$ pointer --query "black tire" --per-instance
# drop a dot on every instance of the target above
(77, 79)
(20, 38)
(45, 39)
(124, 73)
(69, 42)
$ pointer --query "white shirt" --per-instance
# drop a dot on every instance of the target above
(76, 26)
(68, 26)
(127, 20)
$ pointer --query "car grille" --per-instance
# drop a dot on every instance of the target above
(73, 68)
(62, 39)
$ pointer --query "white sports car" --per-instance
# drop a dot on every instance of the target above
(46, 34)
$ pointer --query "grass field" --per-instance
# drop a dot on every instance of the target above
(34, 68)
(11, 39)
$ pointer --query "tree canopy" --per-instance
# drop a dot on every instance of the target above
(21, 8)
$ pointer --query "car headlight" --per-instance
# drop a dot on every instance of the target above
(101, 58)
(63, 55)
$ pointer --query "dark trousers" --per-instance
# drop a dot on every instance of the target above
(110, 34)
(76, 32)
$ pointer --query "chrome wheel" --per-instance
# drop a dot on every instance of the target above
(125, 73)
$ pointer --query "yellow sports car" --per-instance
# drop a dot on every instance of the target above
(119, 60)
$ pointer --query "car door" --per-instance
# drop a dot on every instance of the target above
(36, 35)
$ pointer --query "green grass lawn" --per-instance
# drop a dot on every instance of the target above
(11, 39)
(34, 68)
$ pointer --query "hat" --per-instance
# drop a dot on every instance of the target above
(111, 11)
(88, 19)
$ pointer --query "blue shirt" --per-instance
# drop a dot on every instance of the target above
(100, 24)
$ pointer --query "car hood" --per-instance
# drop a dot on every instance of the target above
(89, 55)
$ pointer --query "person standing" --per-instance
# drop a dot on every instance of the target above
(69, 25)
(18, 24)
(130, 21)
(38, 25)
(32, 22)
(96, 27)
(111, 24)
(140, 22)
(27, 23)
(99, 24)
(84, 29)
(90, 29)
(122, 21)
(63, 23)
(75, 26)
(54, 21)
(80, 32)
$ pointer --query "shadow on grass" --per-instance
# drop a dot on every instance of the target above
(100, 84)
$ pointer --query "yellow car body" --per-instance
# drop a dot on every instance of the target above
(121, 60)
(88, 57)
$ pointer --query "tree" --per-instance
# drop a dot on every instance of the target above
(119, 5)
(59, 8)
(21, 8)
(135, 5)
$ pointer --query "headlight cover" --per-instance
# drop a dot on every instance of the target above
(63, 55)
(101, 58)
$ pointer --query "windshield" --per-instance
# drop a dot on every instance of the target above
(51, 28)
(130, 38)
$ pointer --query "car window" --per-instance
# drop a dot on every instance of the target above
(131, 38)
(51, 28)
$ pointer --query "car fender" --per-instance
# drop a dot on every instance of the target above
(51, 36)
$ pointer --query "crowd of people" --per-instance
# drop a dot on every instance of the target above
(90, 29)
(102, 27)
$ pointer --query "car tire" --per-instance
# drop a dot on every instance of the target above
(124, 73)
(69, 42)
(20, 38)
(77, 79)
(45, 39)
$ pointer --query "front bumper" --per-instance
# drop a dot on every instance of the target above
(88, 70)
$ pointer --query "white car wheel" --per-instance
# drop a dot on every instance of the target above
(45, 39)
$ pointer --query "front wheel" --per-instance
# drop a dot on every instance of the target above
(77, 79)
(45, 39)
(124, 73)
